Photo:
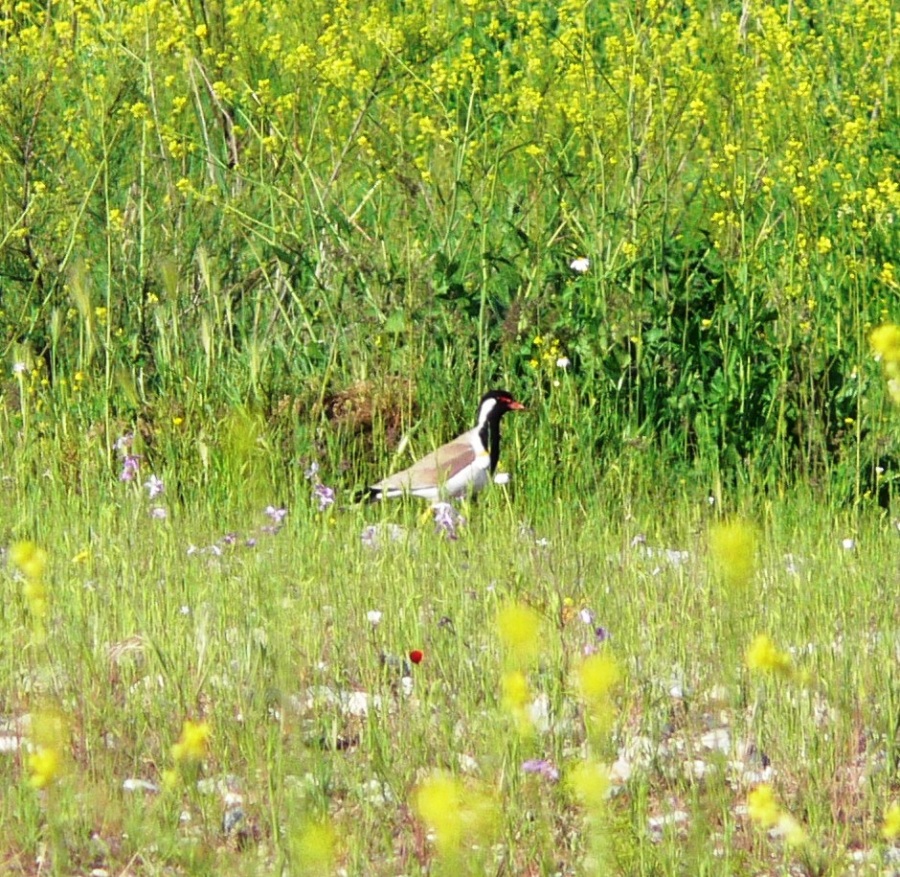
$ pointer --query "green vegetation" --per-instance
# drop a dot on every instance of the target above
(253, 254)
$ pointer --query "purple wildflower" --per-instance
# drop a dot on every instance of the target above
(586, 615)
(130, 465)
(447, 519)
(159, 513)
(325, 495)
(154, 486)
(542, 767)
(229, 538)
(601, 634)
(123, 444)
(277, 515)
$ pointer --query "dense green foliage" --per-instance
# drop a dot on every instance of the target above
(204, 205)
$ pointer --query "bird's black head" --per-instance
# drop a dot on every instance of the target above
(495, 404)
(492, 407)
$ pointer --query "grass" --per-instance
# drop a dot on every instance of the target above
(313, 734)
(250, 239)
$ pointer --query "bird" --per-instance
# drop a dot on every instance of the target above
(459, 468)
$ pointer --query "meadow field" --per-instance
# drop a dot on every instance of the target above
(255, 256)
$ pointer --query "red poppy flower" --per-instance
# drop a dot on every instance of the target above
(416, 656)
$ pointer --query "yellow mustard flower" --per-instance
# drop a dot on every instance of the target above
(764, 655)
(44, 766)
(885, 342)
(589, 782)
(519, 627)
(890, 828)
(314, 847)
(30, 560)
(49, 735)
(598, 675)
(454, 812)
(193, 743)
(762, 808)
(732, 545)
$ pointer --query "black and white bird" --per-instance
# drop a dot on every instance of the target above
(462, 466)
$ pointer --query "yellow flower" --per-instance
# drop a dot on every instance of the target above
(589, 782)
(438, 801)
(791, 830)
(454, 812)
(314, 848)
(515, 697)
(765, 811)
(48, 736)
(36, 597)
(885, 342)
(83, 556)
(732, 546)
(890, 828)
(519, 627)
(28, 559)
(597, 676)
(515, 690)
(193, 743)
(764, 655)
(44, 766)
(170, 778)
(762, 807)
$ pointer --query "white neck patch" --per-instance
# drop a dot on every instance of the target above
(486, 408)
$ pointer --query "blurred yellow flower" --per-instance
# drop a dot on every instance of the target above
(456, 813)
(519, 627)
(193, 743)
(598, 675)
(732, 545)
(170, 778)
(764, 655)
(762, 807)
(514, 686)
(28, 559)
(589, 782)
(437, 801)
(515, 698)
(314, 848)
(44, 766)
(791, 830)
(765, 811)
(49, 735)
(885, 342)
(890, 828)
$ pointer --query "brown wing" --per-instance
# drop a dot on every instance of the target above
(434, 470)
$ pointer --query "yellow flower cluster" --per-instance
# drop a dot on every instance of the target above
(313, 848)
(764, 809)
(598, 676)
(519, 629)
(49, 734)
(189, 750)
(885, 344)
(765, 656)
(193, 743)
(890, 828)
(457, 814)
(732, 546)
(31, 561)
